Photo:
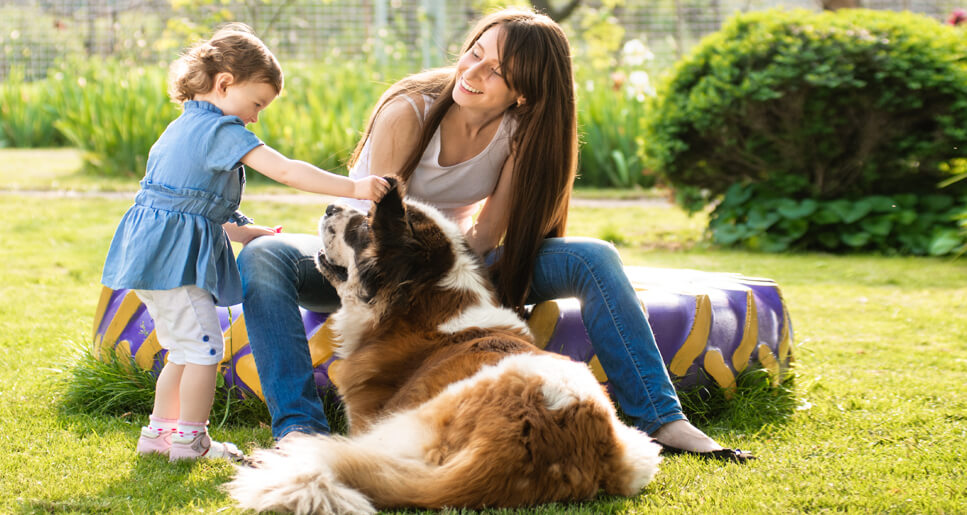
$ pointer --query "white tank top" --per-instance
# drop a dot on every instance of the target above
(455, 190)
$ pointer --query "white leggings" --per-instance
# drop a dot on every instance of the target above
(187, 324)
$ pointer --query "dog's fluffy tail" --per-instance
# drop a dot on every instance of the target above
(322, 474)
(297, 478)
(330, 474)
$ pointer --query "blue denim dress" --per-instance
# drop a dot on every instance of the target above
(172, 236)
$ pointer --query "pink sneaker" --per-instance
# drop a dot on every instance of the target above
(154, 442)
(202, 446)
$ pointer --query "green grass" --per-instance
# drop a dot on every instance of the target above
(876, 422)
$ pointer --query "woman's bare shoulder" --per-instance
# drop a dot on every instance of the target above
(404, 111)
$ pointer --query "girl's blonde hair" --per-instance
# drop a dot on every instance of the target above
(536, 59)
(234, 49)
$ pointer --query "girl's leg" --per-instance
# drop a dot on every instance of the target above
(163, 422)
(197, 391)
(278, 275)
(196, 341)
(167, 392)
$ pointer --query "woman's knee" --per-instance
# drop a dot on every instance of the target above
(261, 258)
(593, 252)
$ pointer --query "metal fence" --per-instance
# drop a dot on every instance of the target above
(36, 33)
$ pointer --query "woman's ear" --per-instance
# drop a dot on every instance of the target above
(521, 101)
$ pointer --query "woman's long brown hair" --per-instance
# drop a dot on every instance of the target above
(536, 60)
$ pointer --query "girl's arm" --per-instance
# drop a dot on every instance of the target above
(491, 223)
(246, 233)
(306, 177)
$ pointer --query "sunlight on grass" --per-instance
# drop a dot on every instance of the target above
(873, 420)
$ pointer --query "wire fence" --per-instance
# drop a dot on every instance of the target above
(34, 34)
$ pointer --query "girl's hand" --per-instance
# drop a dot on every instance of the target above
(370, 188)
(247, 233)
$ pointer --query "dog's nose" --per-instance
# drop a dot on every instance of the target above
(330, 209)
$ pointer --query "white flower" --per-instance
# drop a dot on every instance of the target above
(639, 85)
(635, 53)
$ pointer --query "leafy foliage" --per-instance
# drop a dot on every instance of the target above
(754, 217)
(825, 105)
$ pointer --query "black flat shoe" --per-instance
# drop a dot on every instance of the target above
(730, 455)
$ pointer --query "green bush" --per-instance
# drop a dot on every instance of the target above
(753, 216)
(830, 105)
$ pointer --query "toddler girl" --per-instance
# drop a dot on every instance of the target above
(172, 246)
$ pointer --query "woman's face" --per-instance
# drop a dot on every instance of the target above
(480, 81)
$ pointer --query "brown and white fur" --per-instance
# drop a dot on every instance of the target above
(449, 402)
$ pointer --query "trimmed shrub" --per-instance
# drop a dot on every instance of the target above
(832, 105)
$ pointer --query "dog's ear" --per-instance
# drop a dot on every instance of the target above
(389, 212)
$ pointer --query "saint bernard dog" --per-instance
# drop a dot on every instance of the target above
(449, 402)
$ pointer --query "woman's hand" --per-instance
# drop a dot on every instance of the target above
(246, 233)
(370, 188)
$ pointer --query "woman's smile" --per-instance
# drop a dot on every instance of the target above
(468, 88)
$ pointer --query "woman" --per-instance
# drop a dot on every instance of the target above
(498, 129)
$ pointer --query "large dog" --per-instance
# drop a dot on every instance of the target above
(449, 402)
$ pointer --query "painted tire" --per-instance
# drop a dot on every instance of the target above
(709, 327)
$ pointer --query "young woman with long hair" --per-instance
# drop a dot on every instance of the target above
(496, 136)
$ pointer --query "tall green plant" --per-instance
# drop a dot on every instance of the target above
(322, 112)
(113, 112)
(611, 112)
(27, 113)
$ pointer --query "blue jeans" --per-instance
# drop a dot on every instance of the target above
(279, 275)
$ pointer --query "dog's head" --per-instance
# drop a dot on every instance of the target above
(397, 252)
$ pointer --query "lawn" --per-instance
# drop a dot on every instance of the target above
(880, 423)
